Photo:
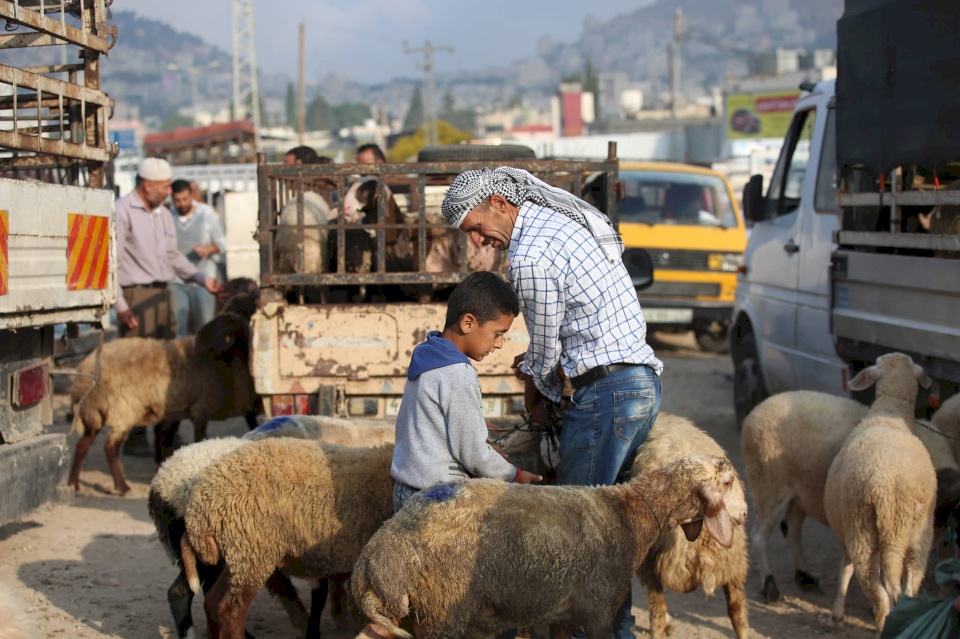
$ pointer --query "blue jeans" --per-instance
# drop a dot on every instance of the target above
(608, 422)
(191, 300)
(401, 493)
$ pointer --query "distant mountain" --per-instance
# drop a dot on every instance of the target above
(721, 32)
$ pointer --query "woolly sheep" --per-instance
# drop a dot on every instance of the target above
(13, 624)
(304, 507)
(947, 419)
(880, 491)
(454, 555)
(788, 442)
(674, 563)
(145, 381)
(171, 487)
(288, 240)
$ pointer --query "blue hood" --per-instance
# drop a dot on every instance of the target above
(436, 352)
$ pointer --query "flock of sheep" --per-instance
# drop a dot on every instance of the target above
(311, 498)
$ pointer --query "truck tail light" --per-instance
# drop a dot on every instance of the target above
(281, 405)
(30, 385)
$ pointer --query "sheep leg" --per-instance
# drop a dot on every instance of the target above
(794, 533)
(179, 597)
(737, 609)
(318, 601)
(251, 418)
(199, 429)
(79, 453)
(163, 440)
(282, 588)
(658, 608)
(226, 610)
(767, 518)
(843, 583)
(112, 451)
(340, 597)
(868, 574)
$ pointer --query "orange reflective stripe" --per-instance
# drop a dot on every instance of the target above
(4, 254)
(88, 251)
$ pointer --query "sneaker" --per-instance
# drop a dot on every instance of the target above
(137, 444)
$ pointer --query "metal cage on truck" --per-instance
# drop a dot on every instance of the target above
(350, 358)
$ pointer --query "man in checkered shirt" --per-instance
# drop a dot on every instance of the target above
(582, 314)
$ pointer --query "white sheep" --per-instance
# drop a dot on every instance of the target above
(947, 419)
(171, 488)
(146, 381)
(287, 243)
(477, 557)
(788, 442)
(304, 507)
(880, 491)
(13, 622)
(674, 563)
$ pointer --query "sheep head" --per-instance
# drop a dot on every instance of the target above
(722, 500)
(361, 198)
(884, 366)
(224, 338)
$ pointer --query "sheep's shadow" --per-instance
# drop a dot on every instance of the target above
(9, 530)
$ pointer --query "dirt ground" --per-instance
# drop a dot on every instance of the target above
(92, 567)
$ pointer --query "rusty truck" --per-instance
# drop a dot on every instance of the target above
(56, 223)
(338, 342)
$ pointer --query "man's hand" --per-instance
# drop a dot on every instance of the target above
(205, 250)
(528, 478)
(211, 285)
(517, 361)
(128, 319)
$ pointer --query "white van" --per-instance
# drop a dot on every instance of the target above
(780, 333)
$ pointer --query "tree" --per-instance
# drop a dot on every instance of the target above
(409, 145)
(319, 116)
(176, 121)
(415, 113)
(291, 106)
(591, 83)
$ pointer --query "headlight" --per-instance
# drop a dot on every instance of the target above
(724, 261)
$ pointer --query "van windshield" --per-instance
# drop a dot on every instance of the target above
(665, 197)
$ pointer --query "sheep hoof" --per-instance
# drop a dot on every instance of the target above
(806, 581)
(122, 489)
(770, 591)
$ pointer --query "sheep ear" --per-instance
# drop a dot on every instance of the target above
(922, 378)
(865, 378)
(716, 517)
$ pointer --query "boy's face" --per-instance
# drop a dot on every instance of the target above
(481, 340)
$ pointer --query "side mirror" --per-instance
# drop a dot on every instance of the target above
(640, 266)
(753, 204)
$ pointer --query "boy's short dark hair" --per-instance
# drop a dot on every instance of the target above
(179, 186)
(484, 295)
(304, 155)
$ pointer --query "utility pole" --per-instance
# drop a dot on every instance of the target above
(301, 111)
(431, 134)
(246, 96)
(679, 31)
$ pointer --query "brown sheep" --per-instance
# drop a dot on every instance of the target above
(146, 381)
(477, 557)
(304, 507)
(673, 562)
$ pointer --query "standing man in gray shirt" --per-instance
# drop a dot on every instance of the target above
(200, 238)
(147, 261)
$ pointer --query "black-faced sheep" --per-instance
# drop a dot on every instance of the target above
(481, 556)
(880, 491)
(146, 381)
(674, 563)
(304, 507)
(170, 493)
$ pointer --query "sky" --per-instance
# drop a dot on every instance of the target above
(364, 39)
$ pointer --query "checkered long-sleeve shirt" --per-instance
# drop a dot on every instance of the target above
(580, 309)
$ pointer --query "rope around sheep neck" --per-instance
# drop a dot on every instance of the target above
(655, 518)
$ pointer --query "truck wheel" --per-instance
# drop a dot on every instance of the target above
(748, 388)
(476, 153)
(712, 338)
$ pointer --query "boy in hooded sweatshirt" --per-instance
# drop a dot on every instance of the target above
(441, 431)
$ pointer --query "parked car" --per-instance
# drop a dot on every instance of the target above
(687, 219)
(744, 121)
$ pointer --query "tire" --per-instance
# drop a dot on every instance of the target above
(748, 388)
(476, 153)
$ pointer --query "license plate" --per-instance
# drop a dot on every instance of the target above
(668, 315)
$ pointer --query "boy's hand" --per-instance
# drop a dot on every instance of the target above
(528, 478)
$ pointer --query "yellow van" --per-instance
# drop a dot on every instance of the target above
(688, 221)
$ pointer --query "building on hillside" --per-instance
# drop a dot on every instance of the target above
(228, 143)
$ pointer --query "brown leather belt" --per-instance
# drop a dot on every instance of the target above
(597, 373)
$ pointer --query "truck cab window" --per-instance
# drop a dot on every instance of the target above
(825, 199)
(787, 182)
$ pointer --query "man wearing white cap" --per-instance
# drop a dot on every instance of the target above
(583, 317)
(147, 260)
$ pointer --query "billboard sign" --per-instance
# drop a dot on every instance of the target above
(759, 115)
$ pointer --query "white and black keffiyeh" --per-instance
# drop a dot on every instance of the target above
(518, 186)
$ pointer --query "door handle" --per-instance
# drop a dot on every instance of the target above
(791, 247)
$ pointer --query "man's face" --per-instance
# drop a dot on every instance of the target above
(367, 157)
(489, 225)
(484, 339)
(183, 202)
(155, 192)
(290, 159)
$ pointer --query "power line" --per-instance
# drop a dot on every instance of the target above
(431, 133)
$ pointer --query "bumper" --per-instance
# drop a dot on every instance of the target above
(685, 312)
